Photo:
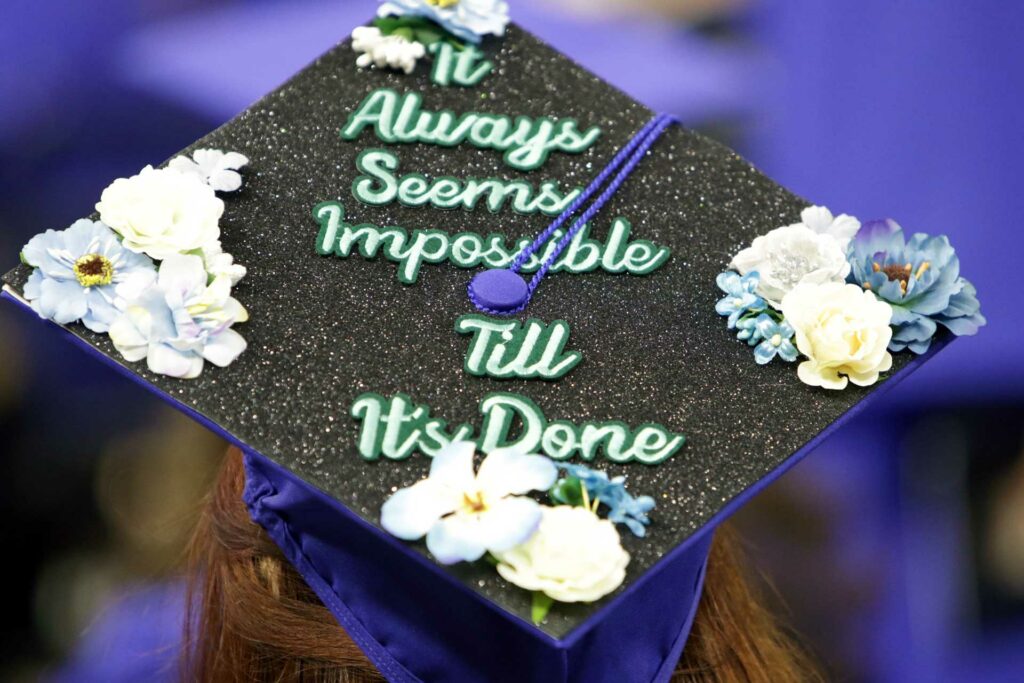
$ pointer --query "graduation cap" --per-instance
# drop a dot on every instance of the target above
(456, 246)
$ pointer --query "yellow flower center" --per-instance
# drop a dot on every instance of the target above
(900, 273)
(443, 4)
(776, 339)
(474, 503)
(94, 270)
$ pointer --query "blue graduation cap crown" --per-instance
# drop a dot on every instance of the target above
(456, 247)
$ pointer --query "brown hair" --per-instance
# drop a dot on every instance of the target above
(251, 617)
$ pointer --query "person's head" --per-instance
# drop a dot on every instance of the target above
(252, 617)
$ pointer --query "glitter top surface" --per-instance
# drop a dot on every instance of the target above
(324, 330)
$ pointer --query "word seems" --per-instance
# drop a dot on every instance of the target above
(505, 349)
(379, 186)
(410, 250)
(527, 142)
(396, 428)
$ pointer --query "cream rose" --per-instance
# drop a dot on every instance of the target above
(573, 557)
(843, 330)
(791, 255)
(161, 212)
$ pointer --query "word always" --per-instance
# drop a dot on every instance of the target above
(527, 142)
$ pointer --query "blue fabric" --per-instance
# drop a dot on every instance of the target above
(136, 637)
(416, 622)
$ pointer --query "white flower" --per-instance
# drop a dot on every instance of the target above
(467, 20)
(176, 321)
(162, 212)
(843, 330)
(820, 220)
(791, 255)
(465, 515)
(217, 169)
(218, 263)
(77, 272)
(574, 557)
(396, 52)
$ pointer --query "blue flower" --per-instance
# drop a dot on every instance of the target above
(467, 20)
(748, 331)
(622, 507)
(919, 278)
(179, 319)
(740, 295)
(77, 272)
(464, 515)
(776, 340)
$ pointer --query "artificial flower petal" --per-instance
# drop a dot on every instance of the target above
(214, 167)
(224, 348)
(573, 557)
(919, 277)
(465, 537)
(820, 220)
(464, 515)
(62, 301)
(77, 273)
(162, 212)
(453, 465)
(411, 512)
(507, 471)
(843, 330)
(179, 311)
(166, 360)
(791, 255)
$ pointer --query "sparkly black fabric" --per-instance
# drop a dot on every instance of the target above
(324, 330)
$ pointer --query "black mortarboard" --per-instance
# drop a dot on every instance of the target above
(371, 199)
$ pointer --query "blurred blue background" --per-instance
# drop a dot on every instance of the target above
(898, 547)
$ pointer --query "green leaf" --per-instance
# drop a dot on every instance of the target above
(387, 24)
(568, 491)
(405, 32)
(491, 560)
(21, 255)
(540, 607)
(428, 35)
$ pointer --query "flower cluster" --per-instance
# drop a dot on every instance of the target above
(591, 488)
(394, 51)
(467, 20)
(564, 552)
(405, 29)
(151, 272)
(844, 295)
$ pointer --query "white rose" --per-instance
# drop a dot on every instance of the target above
(843, 330)
(573, 557)
(789, 256)
(162, 212)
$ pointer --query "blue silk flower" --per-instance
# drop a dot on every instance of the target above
(919, 278)
(77, 272)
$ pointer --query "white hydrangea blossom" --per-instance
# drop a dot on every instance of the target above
(394, 52)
